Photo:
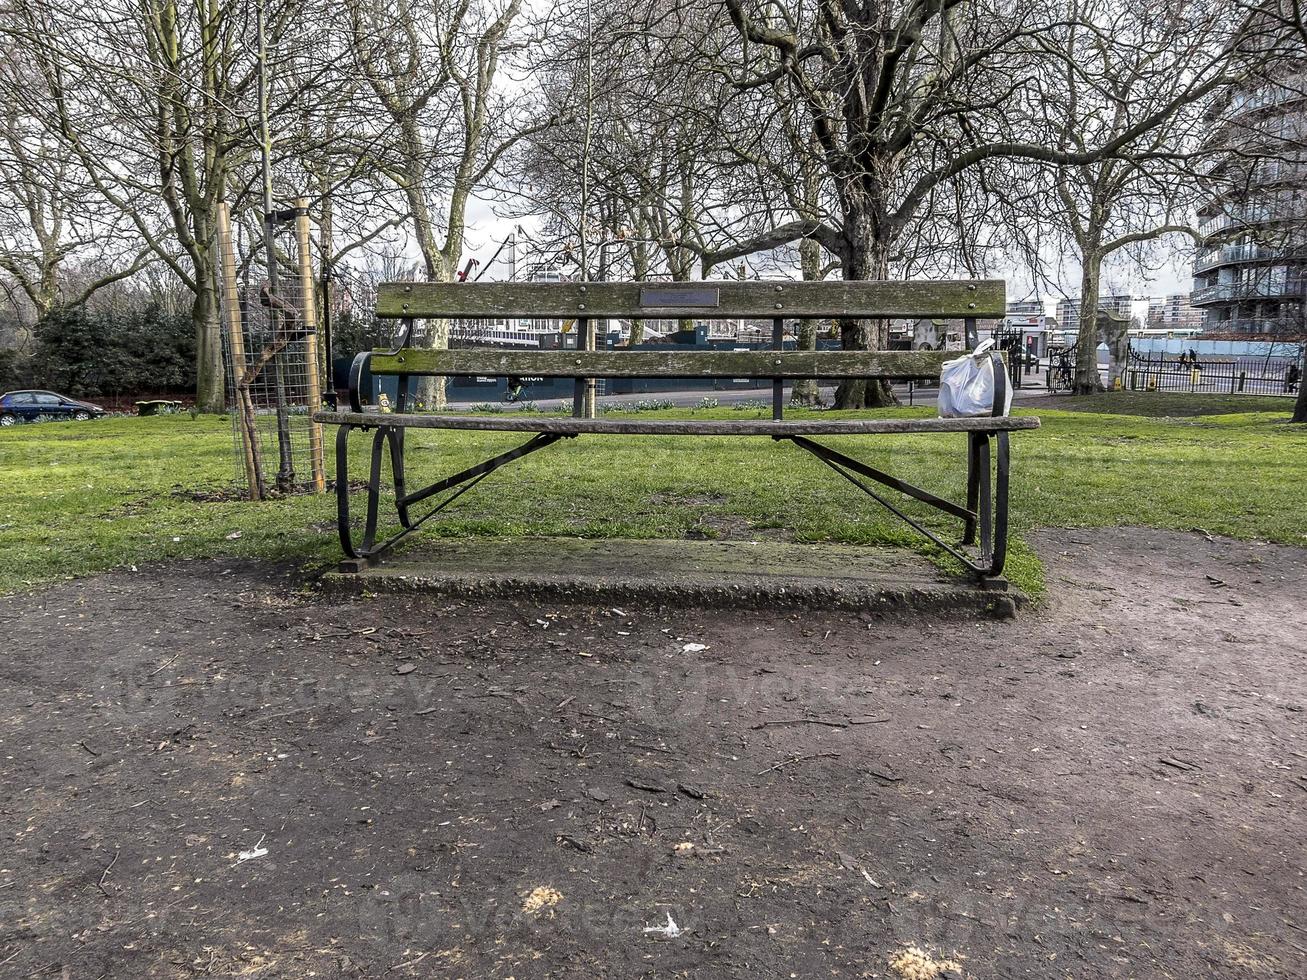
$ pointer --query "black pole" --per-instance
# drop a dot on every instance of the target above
(326, 333)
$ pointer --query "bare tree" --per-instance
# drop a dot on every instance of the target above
(49, 216)
(433, 72)
(905, 100)
(153, 102)
(142, 101)
(626, 183)
(1118, 68)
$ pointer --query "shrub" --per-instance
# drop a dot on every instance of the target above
(88, 354)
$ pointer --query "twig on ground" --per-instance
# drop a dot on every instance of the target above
(164, 666)
(799, 758)
(412, 962)
(650, 748)
(800, 721)
(105, 873)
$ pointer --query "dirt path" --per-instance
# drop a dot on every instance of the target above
(1112, 788)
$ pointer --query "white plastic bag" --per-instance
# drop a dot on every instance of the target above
(967, 386)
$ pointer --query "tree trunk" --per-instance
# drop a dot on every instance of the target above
(1086, 382)
(210, 381)
(430, 395)
(866, 256)
(806, 391)
(640, 267)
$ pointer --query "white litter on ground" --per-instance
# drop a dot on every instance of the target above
(257, 851)
(694, 647)
(670, 931)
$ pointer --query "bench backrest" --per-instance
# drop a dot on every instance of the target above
(724, 300)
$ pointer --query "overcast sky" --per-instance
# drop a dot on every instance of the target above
(486, 230)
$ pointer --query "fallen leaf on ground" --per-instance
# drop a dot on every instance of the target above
(540, 899)
(916, 964)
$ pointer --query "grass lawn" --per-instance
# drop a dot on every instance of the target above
(81, 497)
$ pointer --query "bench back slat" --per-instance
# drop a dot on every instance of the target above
(982, 298)
(467, 362)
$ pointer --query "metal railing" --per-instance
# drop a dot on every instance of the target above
(1263, 289)
(1227, 254)
(1251, 326)
(1242, 218)
(1216, 376)
(1275, 93)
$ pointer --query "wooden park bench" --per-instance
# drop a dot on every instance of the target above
(984, 514)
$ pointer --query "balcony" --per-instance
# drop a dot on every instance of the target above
(1230, 254)
(1279, 93)
(1264, 327)
(1246, 217)
(1228, 292)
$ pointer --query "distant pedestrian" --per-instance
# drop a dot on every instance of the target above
(1193, 359)
(1292, 375)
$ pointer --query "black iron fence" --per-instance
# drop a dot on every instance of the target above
(1250, 375)
(1022, 366)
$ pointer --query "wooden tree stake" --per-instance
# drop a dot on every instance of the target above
(312, 369)
(250, 449)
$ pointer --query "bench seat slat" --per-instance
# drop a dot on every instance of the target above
(467, 362)
(724, 299)
(518, 422)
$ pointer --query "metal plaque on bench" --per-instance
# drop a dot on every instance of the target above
(679, 298)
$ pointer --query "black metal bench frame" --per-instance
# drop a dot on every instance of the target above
(984, 516)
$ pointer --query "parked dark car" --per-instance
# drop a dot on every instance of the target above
(29, 406)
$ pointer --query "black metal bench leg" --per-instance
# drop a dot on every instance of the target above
(985, 507)
(992, 502)
(383, 438)
(987, 495)
(391, 438)
(999, 558)
(379, 441)
(973, 485)
(396, 439)
(342, 492)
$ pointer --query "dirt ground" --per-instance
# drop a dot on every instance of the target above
(210, 771)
